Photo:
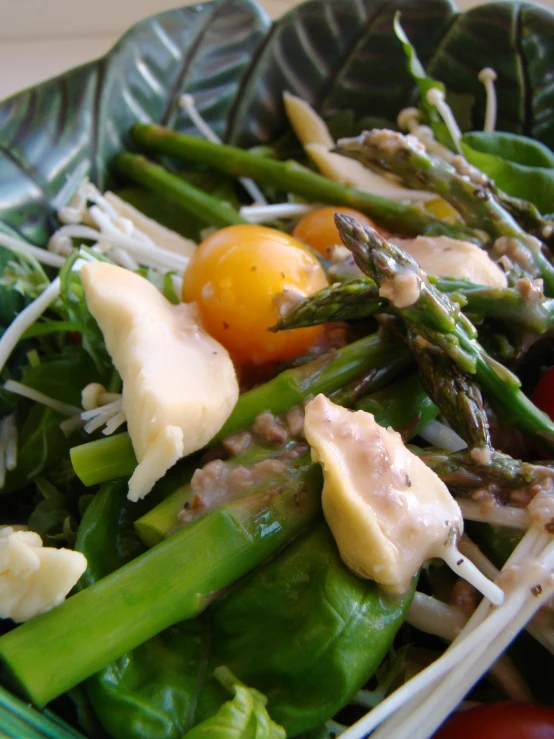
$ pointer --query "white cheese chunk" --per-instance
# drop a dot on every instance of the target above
(445, 257)
(317, 141)
(179, 384)
(387, 510)
(33, 578)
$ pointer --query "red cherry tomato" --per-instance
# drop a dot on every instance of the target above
(500, 721)
(543, 394)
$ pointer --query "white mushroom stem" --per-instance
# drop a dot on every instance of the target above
(97, 417)
(8, 446)
(536, 627)
(263, 213)
(488, 77)
(432, 616)
(25, 320)
(18, 388)
(408, 119)
(497, 631)
(419, 705)
(463, 567)
(23, 249)
(496, 515)
(442, 436)
(187, 103)
(150, 256)
(70, 189)
(436, 97)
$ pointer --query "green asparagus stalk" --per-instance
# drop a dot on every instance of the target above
(462, 474)
(327, 374)
(523, 304)
(99, 461)
(173, 581)
(158, 180)
(404, 405)
(455, 392)
(358, 298)
(437, 319)
(405, 157)
(527, 215)
(400, 218)
(161, 520)
(104, 459)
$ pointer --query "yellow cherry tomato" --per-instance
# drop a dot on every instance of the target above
(443, 210)
(319, 231)
(241, 277)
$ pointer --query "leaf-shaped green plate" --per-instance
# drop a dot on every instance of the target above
(341, 56)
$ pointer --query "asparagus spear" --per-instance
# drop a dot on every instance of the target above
(104, 459)
(527, 215)
(467, 191)
(437, 319)
(173, 581)
(462, 474)
(404, 405)
(522, 304)
(358, 298)
(398, 217)
(456, 393)
(157, 179)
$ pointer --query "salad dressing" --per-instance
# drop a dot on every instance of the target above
(387, 510)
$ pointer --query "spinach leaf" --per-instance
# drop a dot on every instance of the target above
(521, 167)
(150, 693)
(294, 629)
(62, 375)
(40, 444)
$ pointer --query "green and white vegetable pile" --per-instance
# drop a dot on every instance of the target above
(216, 607)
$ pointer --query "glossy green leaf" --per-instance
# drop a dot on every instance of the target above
(511, 147)
(424, 85)
(485, 36)
(537, 55)
(81, 119)
(519, 166)
(301, 54)
(304, 617)
(150, 693)
(342, 57)
(361, 86)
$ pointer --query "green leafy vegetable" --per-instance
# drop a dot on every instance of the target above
(520, 166)
(244, 717)
(294, 629)
(424, 84)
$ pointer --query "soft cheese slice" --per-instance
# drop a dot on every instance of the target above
(33, 578)
(317, 141)
(446, 257)
(386, 509)
(179, 384)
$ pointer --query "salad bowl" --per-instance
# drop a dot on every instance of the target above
(343, 58)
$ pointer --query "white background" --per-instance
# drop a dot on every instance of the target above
(41, 38)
